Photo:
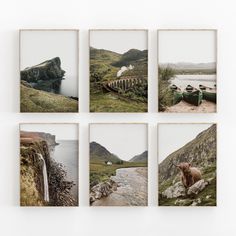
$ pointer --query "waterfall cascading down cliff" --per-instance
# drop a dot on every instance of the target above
(45, 178)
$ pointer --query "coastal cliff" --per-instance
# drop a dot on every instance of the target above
(43, 180)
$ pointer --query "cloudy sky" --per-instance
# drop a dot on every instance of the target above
(119, 41)
(171, 137)
(124, 140)
(62, 131)
(37, 46)
(186, 46)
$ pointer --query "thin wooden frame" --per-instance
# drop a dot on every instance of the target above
(216, 61)
(77, 63)
(123, 123)
(158, 145)
(90, 30)
(47, 123)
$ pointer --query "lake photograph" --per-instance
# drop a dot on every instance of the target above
(49, 71)
(49, 164)
(118, 70)
(187, 71)
(118, 164)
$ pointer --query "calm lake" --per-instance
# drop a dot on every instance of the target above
(67, 87)
(66, 153)
(182, 81)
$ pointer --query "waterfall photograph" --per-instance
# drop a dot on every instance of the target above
(49, 164)
(187, 164)
(118, 70)
(187, 71)
(118, 164)
(49, 71)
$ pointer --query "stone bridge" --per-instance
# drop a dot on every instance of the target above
(124, 83)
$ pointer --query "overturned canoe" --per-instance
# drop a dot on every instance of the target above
(208, 93)
(192, 95)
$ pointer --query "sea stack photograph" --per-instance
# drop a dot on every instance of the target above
(187, 164)
(118, 164)
(49, 71)
(118, 70)
(49, 164)
(187, 71)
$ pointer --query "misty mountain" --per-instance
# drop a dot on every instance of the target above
(140, 158)
(190, 66)
(98, 153)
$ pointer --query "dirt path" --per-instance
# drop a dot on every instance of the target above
(205, 107)
(132, 190)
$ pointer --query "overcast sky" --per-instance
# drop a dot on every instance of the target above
(119, 41)
(41, 45)
(124, 140)
(171, 137)
(62, 131)
(187, 46)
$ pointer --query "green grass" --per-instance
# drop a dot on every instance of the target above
(33, 100)
(109, 102)
(100, 172)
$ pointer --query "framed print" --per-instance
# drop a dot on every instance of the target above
(49, 70)
(118, 164)
(187, 66)
(187, 164)
(118, 70)
(49, 164)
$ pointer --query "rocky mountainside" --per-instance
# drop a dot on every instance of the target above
(143, 157)
(98, 153)
(201, 153)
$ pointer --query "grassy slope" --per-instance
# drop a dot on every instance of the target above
(109, 102)
(29, 195)
(33, 100)
(100, 172)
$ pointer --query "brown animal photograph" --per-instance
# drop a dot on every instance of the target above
(187, 164)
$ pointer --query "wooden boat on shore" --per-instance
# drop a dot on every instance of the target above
(209, 94)
(177, 94)
(192, 95)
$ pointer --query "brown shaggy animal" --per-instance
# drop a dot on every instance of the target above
(189, 175)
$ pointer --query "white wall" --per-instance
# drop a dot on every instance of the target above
(152, 220)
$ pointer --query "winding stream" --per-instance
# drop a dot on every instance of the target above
(132, 190)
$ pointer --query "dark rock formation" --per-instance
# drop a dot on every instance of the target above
(46, 70)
